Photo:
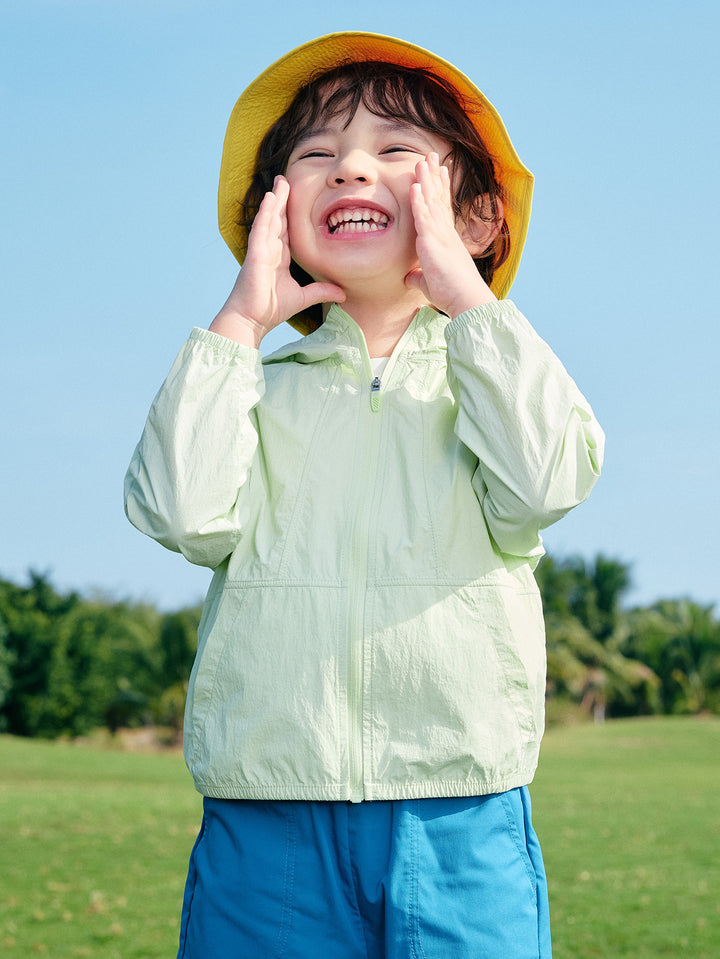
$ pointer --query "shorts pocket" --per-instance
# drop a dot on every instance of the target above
(241, 882)
(517, 828)
(473, 887)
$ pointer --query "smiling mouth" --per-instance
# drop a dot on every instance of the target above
(357, 221)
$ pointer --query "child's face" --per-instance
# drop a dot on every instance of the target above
(349, 214)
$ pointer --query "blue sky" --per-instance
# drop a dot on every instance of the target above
(113, 114)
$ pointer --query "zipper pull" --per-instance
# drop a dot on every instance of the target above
(375, 385)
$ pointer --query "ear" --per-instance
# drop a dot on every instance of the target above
(477, 230)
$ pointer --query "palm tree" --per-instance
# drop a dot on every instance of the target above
(680, 640)
(586, 629)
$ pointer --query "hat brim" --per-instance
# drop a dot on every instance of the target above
(268, 97)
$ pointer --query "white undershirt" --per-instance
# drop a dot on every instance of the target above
(378, 364)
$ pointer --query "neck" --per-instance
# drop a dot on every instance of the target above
(383, 322)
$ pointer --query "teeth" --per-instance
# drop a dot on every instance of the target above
(358, 220)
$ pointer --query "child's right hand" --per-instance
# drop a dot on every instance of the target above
(265, 294)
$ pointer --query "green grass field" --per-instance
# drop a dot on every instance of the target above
(95, 844)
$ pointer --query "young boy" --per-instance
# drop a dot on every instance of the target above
(366, 706)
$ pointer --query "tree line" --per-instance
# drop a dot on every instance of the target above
(69, 664)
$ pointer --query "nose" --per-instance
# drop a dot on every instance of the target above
(355, 166)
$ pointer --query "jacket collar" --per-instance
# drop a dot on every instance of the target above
(341, 337)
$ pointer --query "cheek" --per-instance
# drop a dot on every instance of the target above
(403, 181)
(301, 203)
(301, 240)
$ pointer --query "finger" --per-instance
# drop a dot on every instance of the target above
(279, 231)
(273, 204)
(270, 226)
(418, 201)
(438, 181)
(264, 223)
(444, 175)
(428, 169)
(430, 210)
(323, 293)
(436, 167)
(422, 174)
(281, 189)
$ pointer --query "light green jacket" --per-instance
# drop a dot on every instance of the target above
(373, 629)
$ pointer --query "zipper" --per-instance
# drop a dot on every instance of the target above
(375, 395)
(360, 559)
(360, 553)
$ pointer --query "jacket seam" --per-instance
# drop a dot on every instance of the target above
(387, 582)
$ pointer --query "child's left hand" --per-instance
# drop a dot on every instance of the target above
(447, 274)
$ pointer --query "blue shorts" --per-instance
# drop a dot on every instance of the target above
(411, 879)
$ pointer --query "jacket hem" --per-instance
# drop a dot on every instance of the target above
(372, 792)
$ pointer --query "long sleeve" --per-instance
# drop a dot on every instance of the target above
(538, 444)
(183, 483)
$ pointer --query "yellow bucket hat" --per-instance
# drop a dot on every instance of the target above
(269, 96)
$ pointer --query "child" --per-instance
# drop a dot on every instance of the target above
(366, 706)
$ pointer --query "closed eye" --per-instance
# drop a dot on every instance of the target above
(401, 149)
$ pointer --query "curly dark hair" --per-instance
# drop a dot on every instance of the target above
(405, 94)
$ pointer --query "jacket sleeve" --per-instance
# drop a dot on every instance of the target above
(183, 484)
(538, 444)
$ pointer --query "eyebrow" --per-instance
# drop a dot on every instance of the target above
(389, 125)
(309, 134)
